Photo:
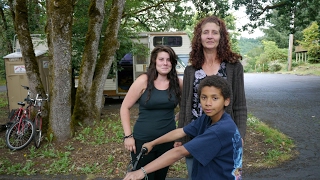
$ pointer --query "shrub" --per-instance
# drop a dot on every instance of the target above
(274, 66)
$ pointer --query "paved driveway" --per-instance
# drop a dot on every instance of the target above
(291, 104)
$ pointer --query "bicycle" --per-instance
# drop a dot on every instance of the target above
(18, 112)
(20, 128)
(38, 120)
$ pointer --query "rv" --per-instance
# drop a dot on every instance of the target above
(132, 66)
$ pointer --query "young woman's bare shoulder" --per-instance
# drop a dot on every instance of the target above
(141, 81)
(142, 78)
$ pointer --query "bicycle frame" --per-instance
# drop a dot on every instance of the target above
(38, 120)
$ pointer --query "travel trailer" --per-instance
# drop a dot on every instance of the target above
(132, 66)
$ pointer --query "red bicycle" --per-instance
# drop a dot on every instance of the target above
(21, 132)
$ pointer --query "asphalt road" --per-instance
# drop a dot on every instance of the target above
(291, 104)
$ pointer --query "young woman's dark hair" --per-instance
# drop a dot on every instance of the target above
(224, 49)
(152, 72)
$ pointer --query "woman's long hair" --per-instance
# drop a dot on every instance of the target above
(224, 51)
(152, 72)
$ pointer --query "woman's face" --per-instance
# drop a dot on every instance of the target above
(210, 35)
(163, 63)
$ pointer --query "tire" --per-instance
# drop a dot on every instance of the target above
(38, 131)
(16, 139)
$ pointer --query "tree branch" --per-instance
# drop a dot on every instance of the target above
(275, 6)
(150, 7)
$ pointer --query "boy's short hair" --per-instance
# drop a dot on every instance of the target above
(217, 82)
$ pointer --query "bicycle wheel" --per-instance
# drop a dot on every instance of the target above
(20, 134)
(38, 131)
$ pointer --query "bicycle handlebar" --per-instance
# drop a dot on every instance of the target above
(25, 87)
(144, 150)
(28, 99)
(41, 99)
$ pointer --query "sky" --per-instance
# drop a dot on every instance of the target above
(243, 19)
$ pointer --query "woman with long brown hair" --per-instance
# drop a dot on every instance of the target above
(211, 54)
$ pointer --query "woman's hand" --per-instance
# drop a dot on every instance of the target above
(129, 144)
(177, 144)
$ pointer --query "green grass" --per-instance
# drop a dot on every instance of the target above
(282, 145)
(3, 100)
(2, 82)
(303, 69)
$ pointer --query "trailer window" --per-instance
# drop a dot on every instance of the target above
(172, 41)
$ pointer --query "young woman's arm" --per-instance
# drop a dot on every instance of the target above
(134, 93)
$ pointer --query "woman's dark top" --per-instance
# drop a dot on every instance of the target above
(156, 116)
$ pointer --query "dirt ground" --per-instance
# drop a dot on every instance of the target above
(254, 151)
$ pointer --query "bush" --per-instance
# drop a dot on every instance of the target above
(274, 66)
(313, 60)
(295, 64)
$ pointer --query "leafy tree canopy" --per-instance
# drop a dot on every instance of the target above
(311, 41)
(295, 14)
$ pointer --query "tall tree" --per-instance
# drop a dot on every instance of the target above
(277, 31)
(7, 32)
(290, 16)
(311, 41)
(59, 33)
(93, 73)
(156, 15)
(22, 29)
(217, 7)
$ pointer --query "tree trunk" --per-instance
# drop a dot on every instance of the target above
(59, 33)
(27, 50)
(92, 77)
(22, 30)
(83, 104)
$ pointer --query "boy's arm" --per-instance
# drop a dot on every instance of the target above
(164, 160)
(170, 136)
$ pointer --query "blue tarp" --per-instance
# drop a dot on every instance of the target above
(127, 59)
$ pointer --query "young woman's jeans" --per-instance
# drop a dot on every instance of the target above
(189, 162)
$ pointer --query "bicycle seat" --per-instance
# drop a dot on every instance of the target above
(21, 103)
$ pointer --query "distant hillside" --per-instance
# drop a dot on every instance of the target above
(247, 44)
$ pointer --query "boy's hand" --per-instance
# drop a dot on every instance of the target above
(138, 174)
(148, 145)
